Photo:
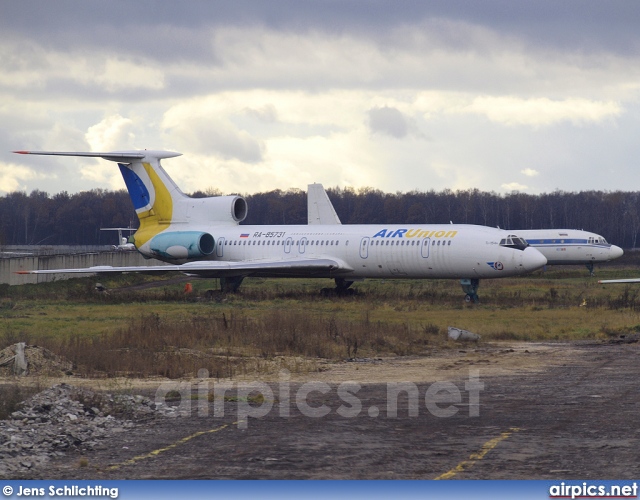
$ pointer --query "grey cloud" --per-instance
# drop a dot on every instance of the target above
(388, 121)
(210, 136)
(239, 145)
(173, 36)
(266, 114)
(182, 30)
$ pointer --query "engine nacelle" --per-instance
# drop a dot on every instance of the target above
(182, 244)
(217, 209)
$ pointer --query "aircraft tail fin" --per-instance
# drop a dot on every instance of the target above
(158, 201)
(319, 207)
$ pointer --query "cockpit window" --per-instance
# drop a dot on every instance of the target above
(513, 241)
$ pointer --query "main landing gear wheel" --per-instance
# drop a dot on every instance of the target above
(230, 284)
(470, 287)
(342, 287)
(341, 290)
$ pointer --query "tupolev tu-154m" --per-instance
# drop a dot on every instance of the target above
(203, 237)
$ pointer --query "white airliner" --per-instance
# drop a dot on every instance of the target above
(124, 245)
(202, 237)
(559, 246)
(571, 246)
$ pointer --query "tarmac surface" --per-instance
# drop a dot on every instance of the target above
(525, 411)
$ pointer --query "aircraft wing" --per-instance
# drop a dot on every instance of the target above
(218, 269)
(627, 280)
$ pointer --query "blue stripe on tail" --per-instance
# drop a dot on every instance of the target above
(137, 190)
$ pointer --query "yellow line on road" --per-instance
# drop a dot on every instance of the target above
(179, 442)
(474, 457)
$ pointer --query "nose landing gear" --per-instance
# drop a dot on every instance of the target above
(470, 287)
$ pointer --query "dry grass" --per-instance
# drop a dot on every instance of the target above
(11, 395)
(273, 324)
(230, 343)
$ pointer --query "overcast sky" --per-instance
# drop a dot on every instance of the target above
(258, 95)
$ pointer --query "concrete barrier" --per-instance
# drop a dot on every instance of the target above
(9, 266)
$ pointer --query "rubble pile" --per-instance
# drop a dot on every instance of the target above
(38, 360)
(61, 419)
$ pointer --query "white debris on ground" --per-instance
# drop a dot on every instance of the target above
(459, 334)
(65, 418)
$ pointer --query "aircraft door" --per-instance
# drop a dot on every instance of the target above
(364, 247)
(302, 245)
(220, 247)
(424, 247)
(287, 245)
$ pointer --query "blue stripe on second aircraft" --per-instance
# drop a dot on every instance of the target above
(557, 241)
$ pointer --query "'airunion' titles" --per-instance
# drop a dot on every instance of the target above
(413, 233)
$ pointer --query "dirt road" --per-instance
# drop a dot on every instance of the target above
(519, 411)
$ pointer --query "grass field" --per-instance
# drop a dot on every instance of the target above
(163, 331)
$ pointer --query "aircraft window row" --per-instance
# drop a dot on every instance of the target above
(337, 242)
(410, 243)
(320, 242)
(280, 242)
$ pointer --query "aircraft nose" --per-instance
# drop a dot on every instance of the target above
(533, 259)
(615, 252)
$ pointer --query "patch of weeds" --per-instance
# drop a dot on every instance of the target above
(11, 395)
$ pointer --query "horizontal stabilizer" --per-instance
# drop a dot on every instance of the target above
(112, 156)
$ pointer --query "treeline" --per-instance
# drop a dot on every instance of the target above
(76, 219)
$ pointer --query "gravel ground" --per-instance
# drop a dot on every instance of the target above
(499, 411)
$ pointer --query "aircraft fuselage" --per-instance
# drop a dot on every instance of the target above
(367, 251)
(570, 246)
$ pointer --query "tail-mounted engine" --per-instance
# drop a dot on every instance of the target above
(220, 209)
(182, 244)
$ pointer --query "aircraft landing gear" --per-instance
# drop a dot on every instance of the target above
(341, 290)
(342, 287)
(590, 268)
(230, 284)
(470, 287)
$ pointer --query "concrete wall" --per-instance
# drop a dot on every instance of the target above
(25, 250)
(9, 266)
